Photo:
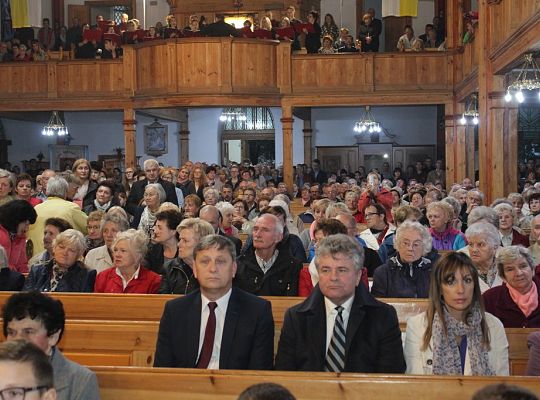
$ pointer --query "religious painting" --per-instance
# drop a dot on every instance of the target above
(156, 139)
(62, 157)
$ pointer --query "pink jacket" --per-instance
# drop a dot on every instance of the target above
(15, 250)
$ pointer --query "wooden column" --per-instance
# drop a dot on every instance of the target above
(130, 134)
(308, 134)
(454, 144)
(183, 147)
(287, 126)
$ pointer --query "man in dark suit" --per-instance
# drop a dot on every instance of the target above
(218, 327)
(213, 216)
(220, 28)
(340, 326)
(318, 175)
(151, 169)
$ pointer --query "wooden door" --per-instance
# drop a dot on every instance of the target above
(394, 27)
(334, 158)
(80, 12)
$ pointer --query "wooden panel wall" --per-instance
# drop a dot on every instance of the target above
(94, 78)
(23, 80)
(156, 64)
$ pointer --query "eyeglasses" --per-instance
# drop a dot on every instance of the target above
(18, 393)
(369, 215)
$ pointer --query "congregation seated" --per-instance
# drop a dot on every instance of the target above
(24, 186)
(455, 336)
(154, 197)
(405, 41)
(127, 275)
(515, 302)
(535, 235)
(379, 235)
(103, 198)
(64, 272)
(53, 226)
(94, 238)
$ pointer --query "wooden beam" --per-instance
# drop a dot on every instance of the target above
(130, 136)
(287, 127)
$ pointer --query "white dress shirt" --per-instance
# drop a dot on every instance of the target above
(331, 315)
(220, 311)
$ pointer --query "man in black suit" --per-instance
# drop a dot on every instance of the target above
(318, 175)
(218, 327)
(220, 28)
(213, 216)
(340, 326)
(151, 169)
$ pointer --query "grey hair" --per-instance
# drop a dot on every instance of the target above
(283, 197)
(510, 254)
(444, 206)
(485, 214)
(157, 186)
(486, 231)
(200, 227)
(427, 240)
(71, 237)
(116, 218)
(208, 190)
(137, 240)
(279, 223)
(215, 241)
(351, 193)
(6, 174)
(223, 206)
(150, 162)
(454, 203)
(479, 193)
(501, 207)
(117, 210)
(335, 209)
(341, 244)
(57, 187)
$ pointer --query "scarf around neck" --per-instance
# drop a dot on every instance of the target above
(527, 302)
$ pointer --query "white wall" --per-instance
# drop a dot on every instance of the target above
(426, 12)
(345, 16)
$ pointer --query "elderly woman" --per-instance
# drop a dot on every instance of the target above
(351, 201)
(6, 186)
(484, 241)
(64, 272)
(164, 247)
(192, 205)
(240, 220)
(509, 235)
(211, 196)
(455, 336)
(15, 219)
(154, 195)
(94, 238)
(515, 302)
(100, 258)
(104, 197)
(178, 278)
(407, 273)
(226, 210)
(440, 216)
(127, 275)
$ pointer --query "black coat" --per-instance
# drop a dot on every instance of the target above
(248, 333)
(237, 242)
(178, 279)
(10, 280)
(220, 29)
(137, 192)
(280, 280)
(393, 279)
(372, 344)
(77, 278)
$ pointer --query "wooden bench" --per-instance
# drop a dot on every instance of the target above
(167, 384)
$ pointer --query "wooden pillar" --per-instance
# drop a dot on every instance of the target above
(308, 135)
(183, 147)
(454, 144)
(287, 126)
(130, 134)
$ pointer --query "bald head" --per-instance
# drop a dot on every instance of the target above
(349, 222)
(211, 215)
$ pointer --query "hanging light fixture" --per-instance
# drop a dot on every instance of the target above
(55, 126)
(233, 114)
(367, 123)
(527, 79)
(470, 116)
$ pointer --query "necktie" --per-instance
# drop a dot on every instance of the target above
(209, 334)
(335, 357)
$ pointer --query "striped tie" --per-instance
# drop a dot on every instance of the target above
(335, 357)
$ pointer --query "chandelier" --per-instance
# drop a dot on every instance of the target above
(527, 79)
(55, 126)
(367, 123)
(471, 112)
(233, 114)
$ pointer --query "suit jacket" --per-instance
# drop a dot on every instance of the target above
(372, 344)
(137, 192)
(220, 29)
(73, 381)
(248, 333)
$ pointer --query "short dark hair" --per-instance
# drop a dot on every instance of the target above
(380, 209)
(330, 226)
(217, 241)
(59, 223)
(108, 184)
(15, 212)
(25, 177)
(22, 351)
(38, 306)
(503, 391)
(533, 196)
(172, 217)
(266, 391)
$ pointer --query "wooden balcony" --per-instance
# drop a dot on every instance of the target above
(226, 71)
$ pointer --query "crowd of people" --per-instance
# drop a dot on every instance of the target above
(105, 38)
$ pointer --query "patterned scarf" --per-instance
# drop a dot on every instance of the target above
(446, 357)
(489, 276)
(57, 275)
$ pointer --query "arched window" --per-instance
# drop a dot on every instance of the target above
(247, 133)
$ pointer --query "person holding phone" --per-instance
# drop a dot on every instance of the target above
(375, 193)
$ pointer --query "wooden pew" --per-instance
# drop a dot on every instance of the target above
(167, 384)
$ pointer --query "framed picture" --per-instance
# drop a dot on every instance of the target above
(156, 139)
(62, 157)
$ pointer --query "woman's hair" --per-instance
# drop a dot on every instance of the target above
(484, 230)
(121, 222)
(137, 240)
(444, 269)
(321, 204)
(427, 240)
(444, 206)
(332, 21)
(203, 174)
(172, 217)
(193, 198)
(97, 215)
(210, 190)
(244, 204)
(25, 177)
(79, 162)
(159, 189)
(199, 227)
(454, 203)
(483, 213)
(223, 206)
(334, 209)
(15, 212)
(510, 254)
(117, 210)
(515, 197)
(71, 237)
(109, 184)
(331, 227)
(401, 214)
(501, 207)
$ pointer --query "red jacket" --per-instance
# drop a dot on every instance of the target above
(305, 285)
(383, 196)
(15, 250)
(108, 281)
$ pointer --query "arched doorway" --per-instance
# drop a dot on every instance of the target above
(247, 133)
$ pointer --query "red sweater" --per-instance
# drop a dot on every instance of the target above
(15, 251)
(108, 281)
